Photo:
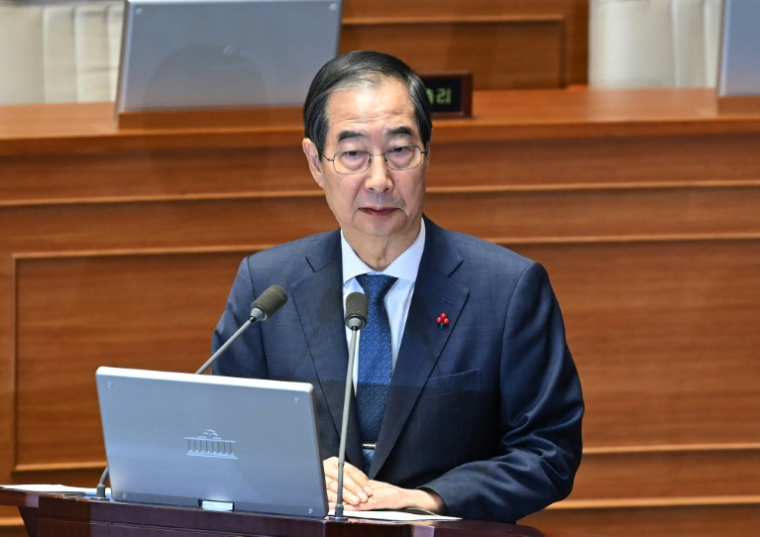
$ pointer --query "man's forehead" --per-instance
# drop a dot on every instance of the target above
(355, 110)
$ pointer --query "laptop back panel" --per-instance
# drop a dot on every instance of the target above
(181, 439)
(179, 54)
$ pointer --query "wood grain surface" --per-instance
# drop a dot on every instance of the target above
(119, 248)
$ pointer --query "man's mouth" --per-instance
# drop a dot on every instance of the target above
(378, 211)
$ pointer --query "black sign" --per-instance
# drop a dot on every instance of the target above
(450, 94)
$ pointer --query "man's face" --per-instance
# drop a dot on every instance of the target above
(379, 202)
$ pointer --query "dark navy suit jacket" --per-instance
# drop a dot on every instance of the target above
(486, 412)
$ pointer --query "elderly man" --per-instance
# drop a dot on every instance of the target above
(467, 398)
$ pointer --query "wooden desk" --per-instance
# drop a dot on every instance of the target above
(119, 248)
(48, 515)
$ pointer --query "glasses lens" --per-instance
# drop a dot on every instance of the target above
(403, 157)
(351, 161)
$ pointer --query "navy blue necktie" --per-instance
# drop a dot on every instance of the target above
(375, 363)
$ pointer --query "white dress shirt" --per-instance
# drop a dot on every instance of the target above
(398, 298)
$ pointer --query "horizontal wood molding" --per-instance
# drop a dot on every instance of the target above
(515, 242)
(738, 519)
(670, 448)
(570, 114)
(612, 473)
(245, 249)
(59, 467)
(638, 503)
(508, 215)
(312, 193)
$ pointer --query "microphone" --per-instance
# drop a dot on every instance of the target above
(271, 300)
(266, 305)
(356, 311)
(356, 318)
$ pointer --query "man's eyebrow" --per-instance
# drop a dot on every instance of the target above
(344, 135)
(404, 130)
(401, 130)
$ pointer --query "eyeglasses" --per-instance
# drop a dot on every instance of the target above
(404, 157)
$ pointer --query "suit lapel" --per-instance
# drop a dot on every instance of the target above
(423, 340)
(319, 301)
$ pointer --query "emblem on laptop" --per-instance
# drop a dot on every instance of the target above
(209, 444)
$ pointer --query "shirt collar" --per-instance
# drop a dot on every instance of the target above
(404, 267)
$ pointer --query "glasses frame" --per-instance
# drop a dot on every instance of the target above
(383, 154)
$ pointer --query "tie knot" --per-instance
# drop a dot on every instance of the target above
(375, 285)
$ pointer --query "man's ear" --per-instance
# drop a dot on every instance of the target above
(315, 163)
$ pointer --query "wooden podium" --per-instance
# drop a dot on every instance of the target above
(54, 515)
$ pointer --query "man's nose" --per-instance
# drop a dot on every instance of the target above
(379, 178)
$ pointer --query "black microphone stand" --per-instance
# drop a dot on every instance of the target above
(356, 318)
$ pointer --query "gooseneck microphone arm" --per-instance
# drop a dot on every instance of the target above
(262, 308)
(100, 490)
(271, 300)
(356, 318)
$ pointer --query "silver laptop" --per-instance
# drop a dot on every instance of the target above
(212, 442)
(740, 49)
(223, 53)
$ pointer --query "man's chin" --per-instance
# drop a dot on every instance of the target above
(394, 225)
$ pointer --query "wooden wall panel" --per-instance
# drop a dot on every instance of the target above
(590, 214)
(697, 318)
(616, 160)
(500, 53)
(368, 23)
(675, 321)
(144, 173)
(76, 313)
(165, 224)
(645, 218)
(13, 528)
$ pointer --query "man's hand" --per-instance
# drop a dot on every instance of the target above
(387, 496)
(356, 489)
(361, 494)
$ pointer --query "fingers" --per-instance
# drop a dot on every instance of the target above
(331, 468)
(387, 496)
(381, 495)
(356, 488)
(350, 498)
(332, 491)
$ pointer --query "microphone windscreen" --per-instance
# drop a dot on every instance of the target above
(356, 310)
(271, 300)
